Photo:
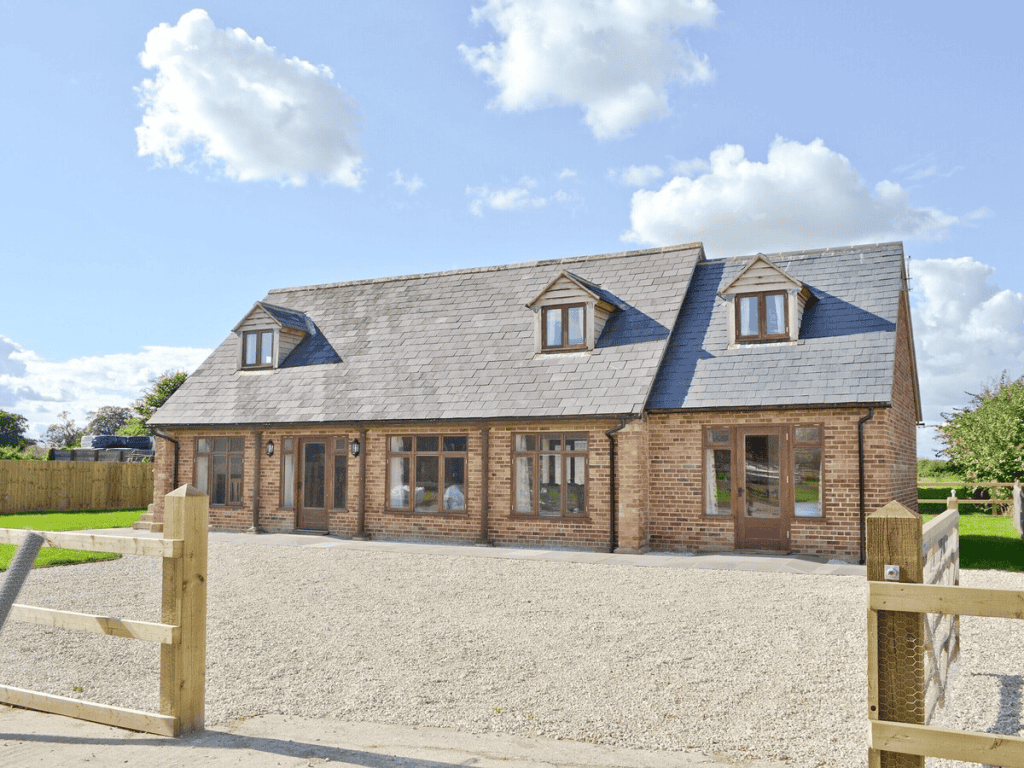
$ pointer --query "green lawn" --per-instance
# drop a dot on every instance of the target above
(66, 521)
(988, 542)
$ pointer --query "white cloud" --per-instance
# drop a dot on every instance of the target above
(614, 59)
(567, 173)
(244, 107)
(636, 175)
(412, 186)
(39, 389)
(514, 198)
(804, 196)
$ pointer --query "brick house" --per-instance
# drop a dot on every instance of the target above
(757, 403)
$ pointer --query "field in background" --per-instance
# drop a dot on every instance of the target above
(65, 521)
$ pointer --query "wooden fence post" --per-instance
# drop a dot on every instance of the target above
(1018, 523)
(896, 674)
(183, 664)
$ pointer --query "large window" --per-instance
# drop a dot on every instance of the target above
(564, 327)
(761, 316)
(218, 469)
(717, 472)
(257, 349)
(550, 475)
(427, 473)
(807, 471)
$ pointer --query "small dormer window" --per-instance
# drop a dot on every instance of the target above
(762, 316)
(257, 349)
(565, 327)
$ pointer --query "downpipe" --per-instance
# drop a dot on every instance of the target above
(613, 516)
(860, 467)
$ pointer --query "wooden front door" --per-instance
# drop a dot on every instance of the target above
(761, 489)
(312, 496)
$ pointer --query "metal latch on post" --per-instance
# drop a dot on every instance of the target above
(892, 573)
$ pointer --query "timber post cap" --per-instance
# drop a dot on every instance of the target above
(186, 490)
(894, 509)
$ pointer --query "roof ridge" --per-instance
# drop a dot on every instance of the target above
(494, 268)
(813, 251)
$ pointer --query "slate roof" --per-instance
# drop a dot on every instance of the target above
(845, 354)
(449, 345)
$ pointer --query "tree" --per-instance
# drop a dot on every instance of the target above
(12, 429)
(133, 428)
(63, 434)
(107, 419)
(985, 440)
(161, 388)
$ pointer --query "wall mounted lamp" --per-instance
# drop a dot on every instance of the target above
(354, 447)
(270, 447)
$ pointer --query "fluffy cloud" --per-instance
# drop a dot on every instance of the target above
(636, 175)
(246, 108)
(39, 389)
(804, 196)
(613, 59)
(513, 198)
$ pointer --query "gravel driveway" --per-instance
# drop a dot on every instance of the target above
(743, 664)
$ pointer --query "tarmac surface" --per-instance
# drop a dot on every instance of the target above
(30, 738)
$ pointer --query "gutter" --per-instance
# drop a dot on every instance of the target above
(613, 516)
(156, 432)
(860, 467)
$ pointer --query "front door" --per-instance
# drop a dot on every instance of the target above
(760, 490)
(312, 496)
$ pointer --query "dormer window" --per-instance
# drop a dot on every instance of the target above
(762, 316)
(565, 327)
(258, 349)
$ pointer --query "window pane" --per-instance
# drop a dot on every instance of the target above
(455, 444)
(220, 444)
(553, 335)
(718, 436)
(576, 325)
(575, 485)
(340, 445)
(201, 474)
(399, 473)
(426, 483)
(234, 480)
(526, 442)
(748, 316)
(455, 483)
(525, 483)
(203, 446)
(718, 474)
(288, 481)
(267, 348)
(289, 444)
(550, 485)
(775, 313)
(575, 443)
(401, 444)
(249, 341)
(219, 489)
(808, 434)
(807, 476)
(313, 466)
(340, 478)
(551, 443)
(762, 476)
(426, 443)
(236, 444)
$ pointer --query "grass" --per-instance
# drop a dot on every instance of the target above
(988, 542)
(66, 521)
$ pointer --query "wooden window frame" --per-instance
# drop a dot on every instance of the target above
(563, 343)
(258, 341)
(442, 457)
(762, 335)
(787, 464)
(288, 451)
(563, 454)
(331, 452)
(228, 453)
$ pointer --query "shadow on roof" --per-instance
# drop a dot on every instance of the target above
(630, 326)
(312, 350)
(830, 316)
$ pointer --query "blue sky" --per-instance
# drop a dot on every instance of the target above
(166, 164)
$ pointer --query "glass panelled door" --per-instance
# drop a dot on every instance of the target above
(313, 486)
(762, 484)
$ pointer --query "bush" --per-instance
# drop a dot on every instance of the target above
(27, 454)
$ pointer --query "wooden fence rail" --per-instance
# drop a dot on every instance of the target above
(181, 631)
(898, 640)
(31, 486)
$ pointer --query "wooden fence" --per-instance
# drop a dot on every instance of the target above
(32, 486)
(908, 655)
(996, 505)
(181, 633)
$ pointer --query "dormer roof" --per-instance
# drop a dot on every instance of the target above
(761, 274)
(282, 317)
(594, 291)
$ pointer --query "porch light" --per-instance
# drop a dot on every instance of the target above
(355, 448)
(270, 447)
